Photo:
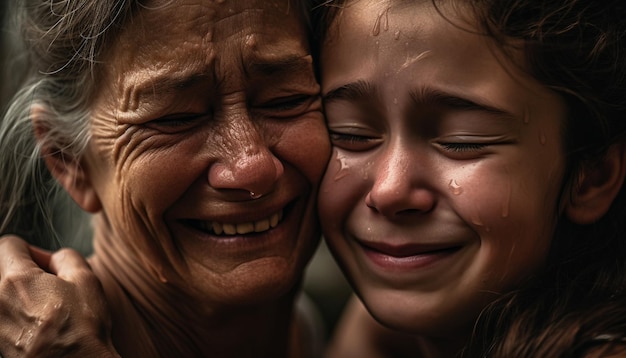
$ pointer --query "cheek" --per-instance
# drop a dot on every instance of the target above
(158, 181)
(514, 213)
(492, 195)
(305, 145)
(344, 185)
(151, 178)
(480, 197)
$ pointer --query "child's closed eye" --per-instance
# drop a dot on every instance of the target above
(351, 141)
(463, 147)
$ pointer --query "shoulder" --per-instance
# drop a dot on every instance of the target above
(358, 334)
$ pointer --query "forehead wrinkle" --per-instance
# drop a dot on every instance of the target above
(236, 24)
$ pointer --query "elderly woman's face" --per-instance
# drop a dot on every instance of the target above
(205, 106)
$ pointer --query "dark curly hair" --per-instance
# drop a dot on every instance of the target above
(577, 48)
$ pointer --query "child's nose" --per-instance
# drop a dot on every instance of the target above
(401, 188)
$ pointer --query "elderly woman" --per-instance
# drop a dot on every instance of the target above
(192, 131)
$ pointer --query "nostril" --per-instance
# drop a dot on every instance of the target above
(412, 201)
(256, 173)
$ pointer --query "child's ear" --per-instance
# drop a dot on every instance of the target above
(66, 169)
(597, 187)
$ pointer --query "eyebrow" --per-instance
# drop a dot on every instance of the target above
(170, 82)
(350, 92)
(160, 84)
(429, 96)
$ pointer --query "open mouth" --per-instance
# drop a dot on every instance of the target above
(221, 228)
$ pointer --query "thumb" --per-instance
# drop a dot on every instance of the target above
(68, 264)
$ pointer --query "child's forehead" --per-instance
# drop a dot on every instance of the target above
(398, 51)
(382, 15)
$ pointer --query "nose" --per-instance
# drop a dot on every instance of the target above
(400, 185)
(255, 173)
(247, 164)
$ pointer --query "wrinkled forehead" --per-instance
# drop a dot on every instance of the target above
(204, 24)
(224, 17)
(218, 38)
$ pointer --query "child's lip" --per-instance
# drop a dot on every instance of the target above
(409, 249)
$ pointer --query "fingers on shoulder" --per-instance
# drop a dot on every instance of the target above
(70, 265)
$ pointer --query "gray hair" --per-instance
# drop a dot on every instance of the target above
(62, 40)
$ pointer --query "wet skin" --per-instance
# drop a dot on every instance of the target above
(447, 161)
(190, 120)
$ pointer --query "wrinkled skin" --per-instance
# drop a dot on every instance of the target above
(60, 311)
(208, 116)
(186, 130)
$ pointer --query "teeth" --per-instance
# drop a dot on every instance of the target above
(217, 228)
(273, 220)
(242, 228)
(229, 229)
(245, 228)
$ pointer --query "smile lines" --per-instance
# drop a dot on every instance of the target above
(219, 228)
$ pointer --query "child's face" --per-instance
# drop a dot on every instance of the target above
(442, 188)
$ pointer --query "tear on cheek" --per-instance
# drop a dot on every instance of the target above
(342, 167)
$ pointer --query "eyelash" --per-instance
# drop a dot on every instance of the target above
(352, 142)
(463, 147)
(351, 138)
(175, 121)
(286, 104)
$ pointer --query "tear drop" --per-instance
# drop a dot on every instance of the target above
(343, 167)
(542, 138)
(454, 187)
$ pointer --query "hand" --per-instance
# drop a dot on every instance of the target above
(51, 305)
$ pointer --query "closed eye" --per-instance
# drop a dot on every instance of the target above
(285, 103)
(176, 122)
(463, 147)
(352, 142)
(286, 106)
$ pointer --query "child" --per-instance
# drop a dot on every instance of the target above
(478, 161)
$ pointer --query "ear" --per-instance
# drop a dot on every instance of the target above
(597, 187)
(66, 169)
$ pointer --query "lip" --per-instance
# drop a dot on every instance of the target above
(243, 227)
(239, 212)
(407, 257)
(259, 214)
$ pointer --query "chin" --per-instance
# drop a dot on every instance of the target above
(263, 281)
(416, 314)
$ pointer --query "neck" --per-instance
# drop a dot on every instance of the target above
(439, 347)
(156, 319)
